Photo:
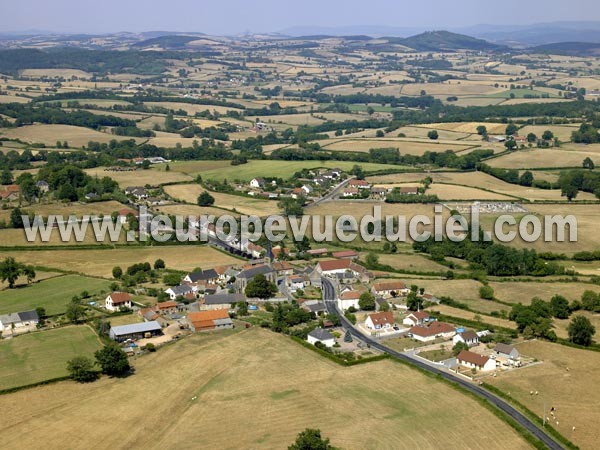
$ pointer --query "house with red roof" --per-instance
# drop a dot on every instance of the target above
(380, 321)
(416, 318)
(118, 300)
(435, 330)
(475, 361)
(215, 319)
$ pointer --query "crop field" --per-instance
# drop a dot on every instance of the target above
(405, 147)
(244, 205)
(15, 237)
(562, 381)
(49, 134)
(53, 294)
(421, 132)
(455, 192)
(228, 373)
(542, 158)
(35, 357)
(101, 262)
(140, 177)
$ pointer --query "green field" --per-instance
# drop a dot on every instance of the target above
(35, 357)
(52, 294)
(219, 170)
(520, 93)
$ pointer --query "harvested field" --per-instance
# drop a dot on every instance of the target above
(406, 147)
(140, 177)
(542, 158)
(49, 134)
(101, 262)
(217, 372)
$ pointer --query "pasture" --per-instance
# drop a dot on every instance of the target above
(562, 381)
(39, 356)
(219, 170)
(257, 379)
(53, 294)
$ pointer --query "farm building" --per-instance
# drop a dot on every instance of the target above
(507, 351)
(380, 320)
(342, 268)
(135, 331)
(215, 319)
(389, 288)
(322, 336)
(468, 337)
(345, 254)
(475, 361)
(221, 300)
(118, 300)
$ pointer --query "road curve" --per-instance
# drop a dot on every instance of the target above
(332, 308)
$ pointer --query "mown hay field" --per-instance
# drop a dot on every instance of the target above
(406, 147)
(244, 205)
(258, 382)
(542, 158)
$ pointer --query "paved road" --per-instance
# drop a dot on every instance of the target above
(331, 305)
(334, 192)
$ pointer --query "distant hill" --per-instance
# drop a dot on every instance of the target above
(445, 40)
(168, 42)
(568, 49)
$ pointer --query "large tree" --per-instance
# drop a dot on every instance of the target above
(310, 439)
(366, 301)
(112, 360)
(581, 331)
(81, 368)
(260, 287)
(11, 270)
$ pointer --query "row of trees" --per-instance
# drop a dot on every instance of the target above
(110, 359)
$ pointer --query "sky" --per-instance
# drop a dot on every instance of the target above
(222, 17)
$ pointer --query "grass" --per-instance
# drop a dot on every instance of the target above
(40, 356)
(562, 381)
(406, 147)
(543, 158)
(52, 294)
(258, 379)
(101, 262)
(219, 170)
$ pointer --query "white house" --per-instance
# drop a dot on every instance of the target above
(348, 299)
(118, 300)
(475, 361)
(415, 318)
(179, 291)
(432, 332)
(22, 320)
(507, 351)
(322, 336)
(468, 337)
(390, 288)
(307, 189)
(257, 183)
(380, 321)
